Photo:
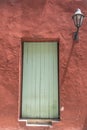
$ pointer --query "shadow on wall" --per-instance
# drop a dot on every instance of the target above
(67, 64)
(85, 124)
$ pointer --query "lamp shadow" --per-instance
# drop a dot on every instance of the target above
(85, 124)
(67, 64)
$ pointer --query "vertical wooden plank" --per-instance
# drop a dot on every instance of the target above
(37, 80)
(55, 94)
(42, 81)
(25, 83)
(51, 80)
(46, 78)
(30, 58)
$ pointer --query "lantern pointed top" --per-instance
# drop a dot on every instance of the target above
(78, 11)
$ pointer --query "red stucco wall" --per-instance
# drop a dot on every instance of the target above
(43, 19)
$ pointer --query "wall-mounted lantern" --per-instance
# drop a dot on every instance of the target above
(78, 19)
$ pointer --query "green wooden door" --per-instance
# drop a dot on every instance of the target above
(40, 80)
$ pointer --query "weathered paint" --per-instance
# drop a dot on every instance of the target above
(40, 80)
(43, 19)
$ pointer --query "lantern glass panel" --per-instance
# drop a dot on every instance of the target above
(78, 20)
(81, 20)
(75, 20)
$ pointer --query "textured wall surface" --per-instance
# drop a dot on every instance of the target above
(44, 19)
